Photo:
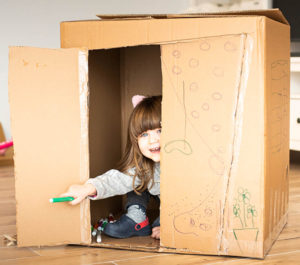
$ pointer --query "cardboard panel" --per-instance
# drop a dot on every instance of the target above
(121, 33)
(48, 100)
(277, 100)
(244, 209)
(205, 83)
(274, 14)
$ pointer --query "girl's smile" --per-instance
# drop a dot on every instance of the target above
(149, 144)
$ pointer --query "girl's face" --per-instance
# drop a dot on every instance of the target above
(149, 144)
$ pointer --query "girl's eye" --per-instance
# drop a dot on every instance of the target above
(144, 134)
(159, 131)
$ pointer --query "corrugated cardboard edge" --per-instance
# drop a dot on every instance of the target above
(272, 238)
(274, 14)
(247, 47)
(158, 249)
(126, 247)
(273, 234)
(84, 143)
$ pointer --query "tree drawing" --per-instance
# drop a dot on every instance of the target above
(245, 212)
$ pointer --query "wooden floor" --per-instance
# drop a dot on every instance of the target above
(285, 251)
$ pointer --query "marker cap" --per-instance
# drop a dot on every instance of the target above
(61, 199)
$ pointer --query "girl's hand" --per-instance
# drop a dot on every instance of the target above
(156, 232)
(79, 192)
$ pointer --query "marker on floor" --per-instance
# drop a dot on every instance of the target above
(98, 238)
(61, 199)
(94, 230)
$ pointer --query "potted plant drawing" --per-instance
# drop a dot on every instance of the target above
(246, 214)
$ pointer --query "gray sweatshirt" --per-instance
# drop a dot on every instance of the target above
(114, 182)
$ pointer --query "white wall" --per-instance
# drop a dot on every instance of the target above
(36, 23)
(202, 6)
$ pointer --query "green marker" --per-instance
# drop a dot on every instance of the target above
(61, 199)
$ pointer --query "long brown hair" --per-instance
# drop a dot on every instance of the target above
(145, 116)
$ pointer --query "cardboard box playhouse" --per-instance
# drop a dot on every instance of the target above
(225, 118)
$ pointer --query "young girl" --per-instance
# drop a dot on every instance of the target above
(138, 173)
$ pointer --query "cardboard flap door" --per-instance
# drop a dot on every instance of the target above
(49, 120)
(207, 81)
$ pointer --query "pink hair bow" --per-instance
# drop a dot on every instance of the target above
(137, 99)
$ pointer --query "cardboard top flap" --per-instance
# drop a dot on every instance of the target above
(46, 88)
(274, 14)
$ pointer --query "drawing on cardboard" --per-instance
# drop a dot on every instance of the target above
(278, 142)
(193, 63)
(221, 84)
(279, 104)
(197, 220)
(230, 46)
(180, 145)
(280, 69)
(194, 87)
(246, 214)
(218, 71)
(204, 46)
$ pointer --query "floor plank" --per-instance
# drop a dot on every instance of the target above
(85, 256)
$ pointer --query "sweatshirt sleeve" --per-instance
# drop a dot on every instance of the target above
(112, 183)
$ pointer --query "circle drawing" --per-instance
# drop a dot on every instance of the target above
(195, 114)
(205, 227)
(193, 63)
(176, 70)
(193, 87)
(204, 46)
(218, 71)
(176, 54)
(205, 106)
(217, 96)
(208, 211)
(229, 46)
